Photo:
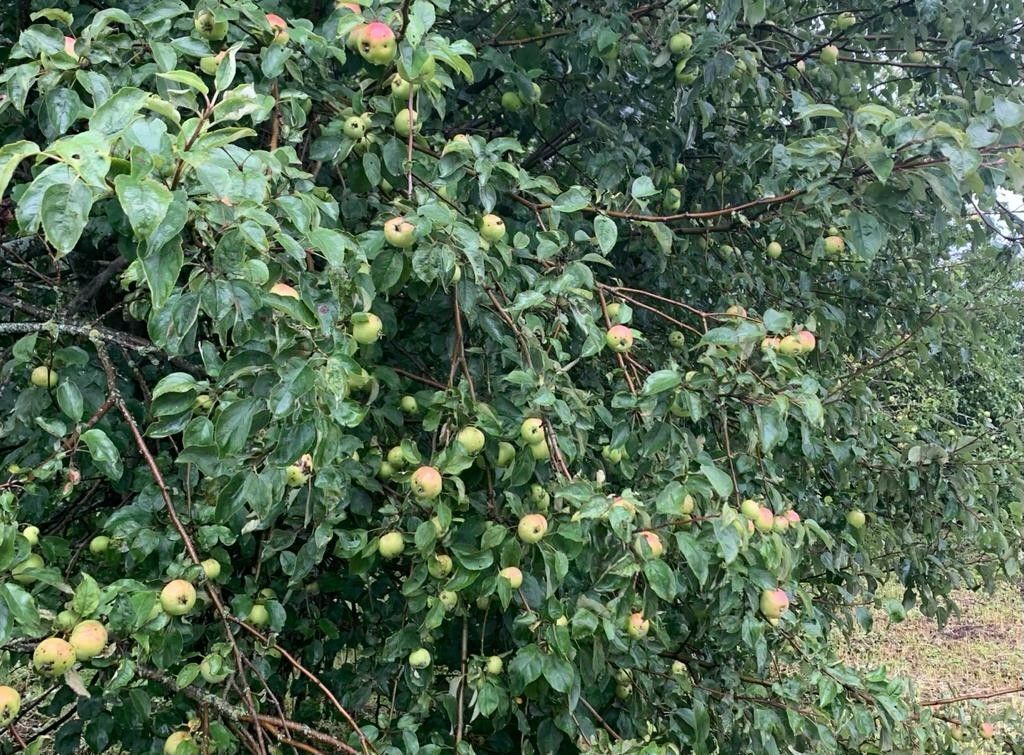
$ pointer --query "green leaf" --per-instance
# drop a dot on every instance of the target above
(144, 201)
(187, 78)
(87, 597)
(660, 578)
(606, 232)
(11, 154)
(720, 481)
(867, 235)
(661, 381)
(116, 113)
(696, 557)
(573, 200)
(526, 667)
(65, 212)
(642, 187)
(103, 452)
(559, 673)
(819, 111)
(421, 19)
(69, 399)
(1008, 113)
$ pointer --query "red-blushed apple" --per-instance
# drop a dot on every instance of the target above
(619, 338)
(514, 576)
(391, 545)
(506, 454)
(10, 705)
(494, 665)
(69, 45)
(173, 742)
(780, 524)
(355, 36)
(283, 289)
(770, 343)
(735, 310)
(750, 508)
(354, 7)
(31, 533)
(653, 543)
(377, 44)
(765, 519)
(856, 518)
(625, 504)
(211, 568)
(637, 626)
(405, 122)
(792, 516)
(43, 377)
(426, 483)
(532, 528)
(400, 232)
(53, 656)
(807, 341)
(280, 27)
(88, 638)
(773, 604)
(419, 659)
(986, 730)
(492, 228)
(440, 566)
(471, 439)
(367, 328)
(774, 250)
(834, 244)
(177, 597)
(532, 430)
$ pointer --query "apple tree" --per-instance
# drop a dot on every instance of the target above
(422, 377)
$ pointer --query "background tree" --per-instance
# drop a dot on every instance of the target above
(435, 377)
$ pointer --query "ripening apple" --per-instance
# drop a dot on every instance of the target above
(178, 597)
(377, 44)
(419, 659)
(426, 483)
(506, 454)
(625, 504)
(770, 343)
(31, 533)
(789, 346)
(409, 405)
(10, 705)
(540, 451)
(280, 27)
(780, 524)
(211, 568)
(986, 730)
(829, 55)
(283, 289)
(856, 518)
(676, 339)
(765, 519)
(532, 430)
(88, 638)
(834, 244)
(32, 561)
(494, 665)
(774, 250)
(619, 339)
(400, 232)
(492, 228)
(391, 545)
(208, 27)
(173, 742)
(735, 310)
(354, 127)
(471, 439)
(69, 48)
(99, 545)
(807, 341)
(511, 101)
(750, 508)
(53, 656)
(449, 599)
(532, 528)
(440, 566)
(513, 575)
(680, 42)
(652, 542)
(405, 122)
(792, 516)
(774, 603)
(367, 329)
(43, 377)
(637, 626)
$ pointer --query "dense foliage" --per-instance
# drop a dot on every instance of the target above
(574, 396)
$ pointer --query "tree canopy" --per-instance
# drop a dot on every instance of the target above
(425, 376)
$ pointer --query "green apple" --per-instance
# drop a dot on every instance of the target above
(492, 228)
(750, 508)
(88, 638)
(623, 691)
(917, 56)
(619, 339)
(213, 669)
(419, 659)
(774, 250)
(856, 518)
(396, 457)
(209, 64)
(405, 122)
(532, 430)
(539, 497)
(426, 483)
(367, 328)
(540, 451)
(532, 528)
(10, 705)
(736, 310)
(43, 377)
(449, 599)
(65, 621)
(678, 668)
(672, 200)
(400, 232)
(53, 656)
(408, 404)
(211, 568)
(845, 21)
(295, 476)
(400, 88)
(31, 533)
(99, 545)
(426, 71)
(377, 44)
(391, 545)
(354, 127)
(471, 439)
(208, 27)
(440, 566)
(177, 597)
(613, 310)
(513, 575)
(829, 55)
(637, 626)
(259, 616)
(386, 470)
(506, 454)
(174, 742)
(511, 101)
(494, 665)
(33, 561)
(680, 42)
(676, 339)
(684, 73)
